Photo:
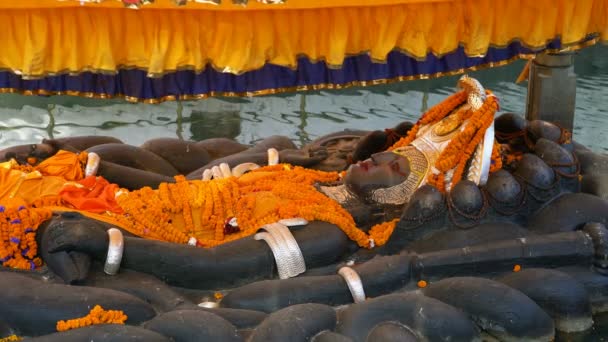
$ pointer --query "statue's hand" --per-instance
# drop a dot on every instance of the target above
(74, 232)
(68, 242)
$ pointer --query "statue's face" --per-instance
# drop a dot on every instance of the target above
(382, 170)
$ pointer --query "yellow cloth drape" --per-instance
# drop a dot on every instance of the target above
(42, 41)
(20, 188)
(68, 165)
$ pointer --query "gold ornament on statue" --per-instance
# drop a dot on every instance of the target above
(448, 124)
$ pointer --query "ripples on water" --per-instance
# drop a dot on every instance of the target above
(301, 116)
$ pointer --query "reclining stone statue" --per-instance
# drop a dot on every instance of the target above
(467, 225)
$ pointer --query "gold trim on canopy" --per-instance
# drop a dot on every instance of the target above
(41, 41)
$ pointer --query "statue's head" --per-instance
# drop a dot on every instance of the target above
(382, 170)
(452, 141)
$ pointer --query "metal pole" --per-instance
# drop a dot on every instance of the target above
(552, 89)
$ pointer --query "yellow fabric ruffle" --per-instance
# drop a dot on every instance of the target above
(46, 41)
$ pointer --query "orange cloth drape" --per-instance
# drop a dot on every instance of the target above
(93, 194)
(65, 164)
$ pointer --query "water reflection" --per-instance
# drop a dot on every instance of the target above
(205, 125)
(302, 116)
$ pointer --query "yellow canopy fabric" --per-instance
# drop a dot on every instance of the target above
(98, 37)
(227, 5)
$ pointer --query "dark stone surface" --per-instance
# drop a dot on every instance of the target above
(135, 157)
(295, 323)
(424, 204)
(569, 212)
(193, 326)
(595, 184)
(185, 156)
(104, 333)
(467, 197)
(330, 336)
(502, 311)
(391, 332)
(141, 285)
(535, 172)
(49, 303)
(503, 187)
(412, 310)
(80, 143)
(510, 123)
(380, 275)
(483, 233)
(540, 129)
(272, 295)
(557, 293)
(241, 319)
(592, 163)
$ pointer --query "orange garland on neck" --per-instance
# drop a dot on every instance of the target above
(202, 209)
(460, 149)
(96, 316)
(18, 247)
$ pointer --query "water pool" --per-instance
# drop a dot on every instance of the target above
(301, 116)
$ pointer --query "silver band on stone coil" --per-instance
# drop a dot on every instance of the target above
(115, 250)
(285, 249)
(283, 235)
(92, 166)
(273, 156)
(353, 281)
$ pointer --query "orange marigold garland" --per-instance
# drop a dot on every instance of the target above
(433, 115)
(260, 197)
(96, 316)
(18, 247)
(383, 231)
(461, 148)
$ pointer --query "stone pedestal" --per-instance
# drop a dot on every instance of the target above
(552, 89)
